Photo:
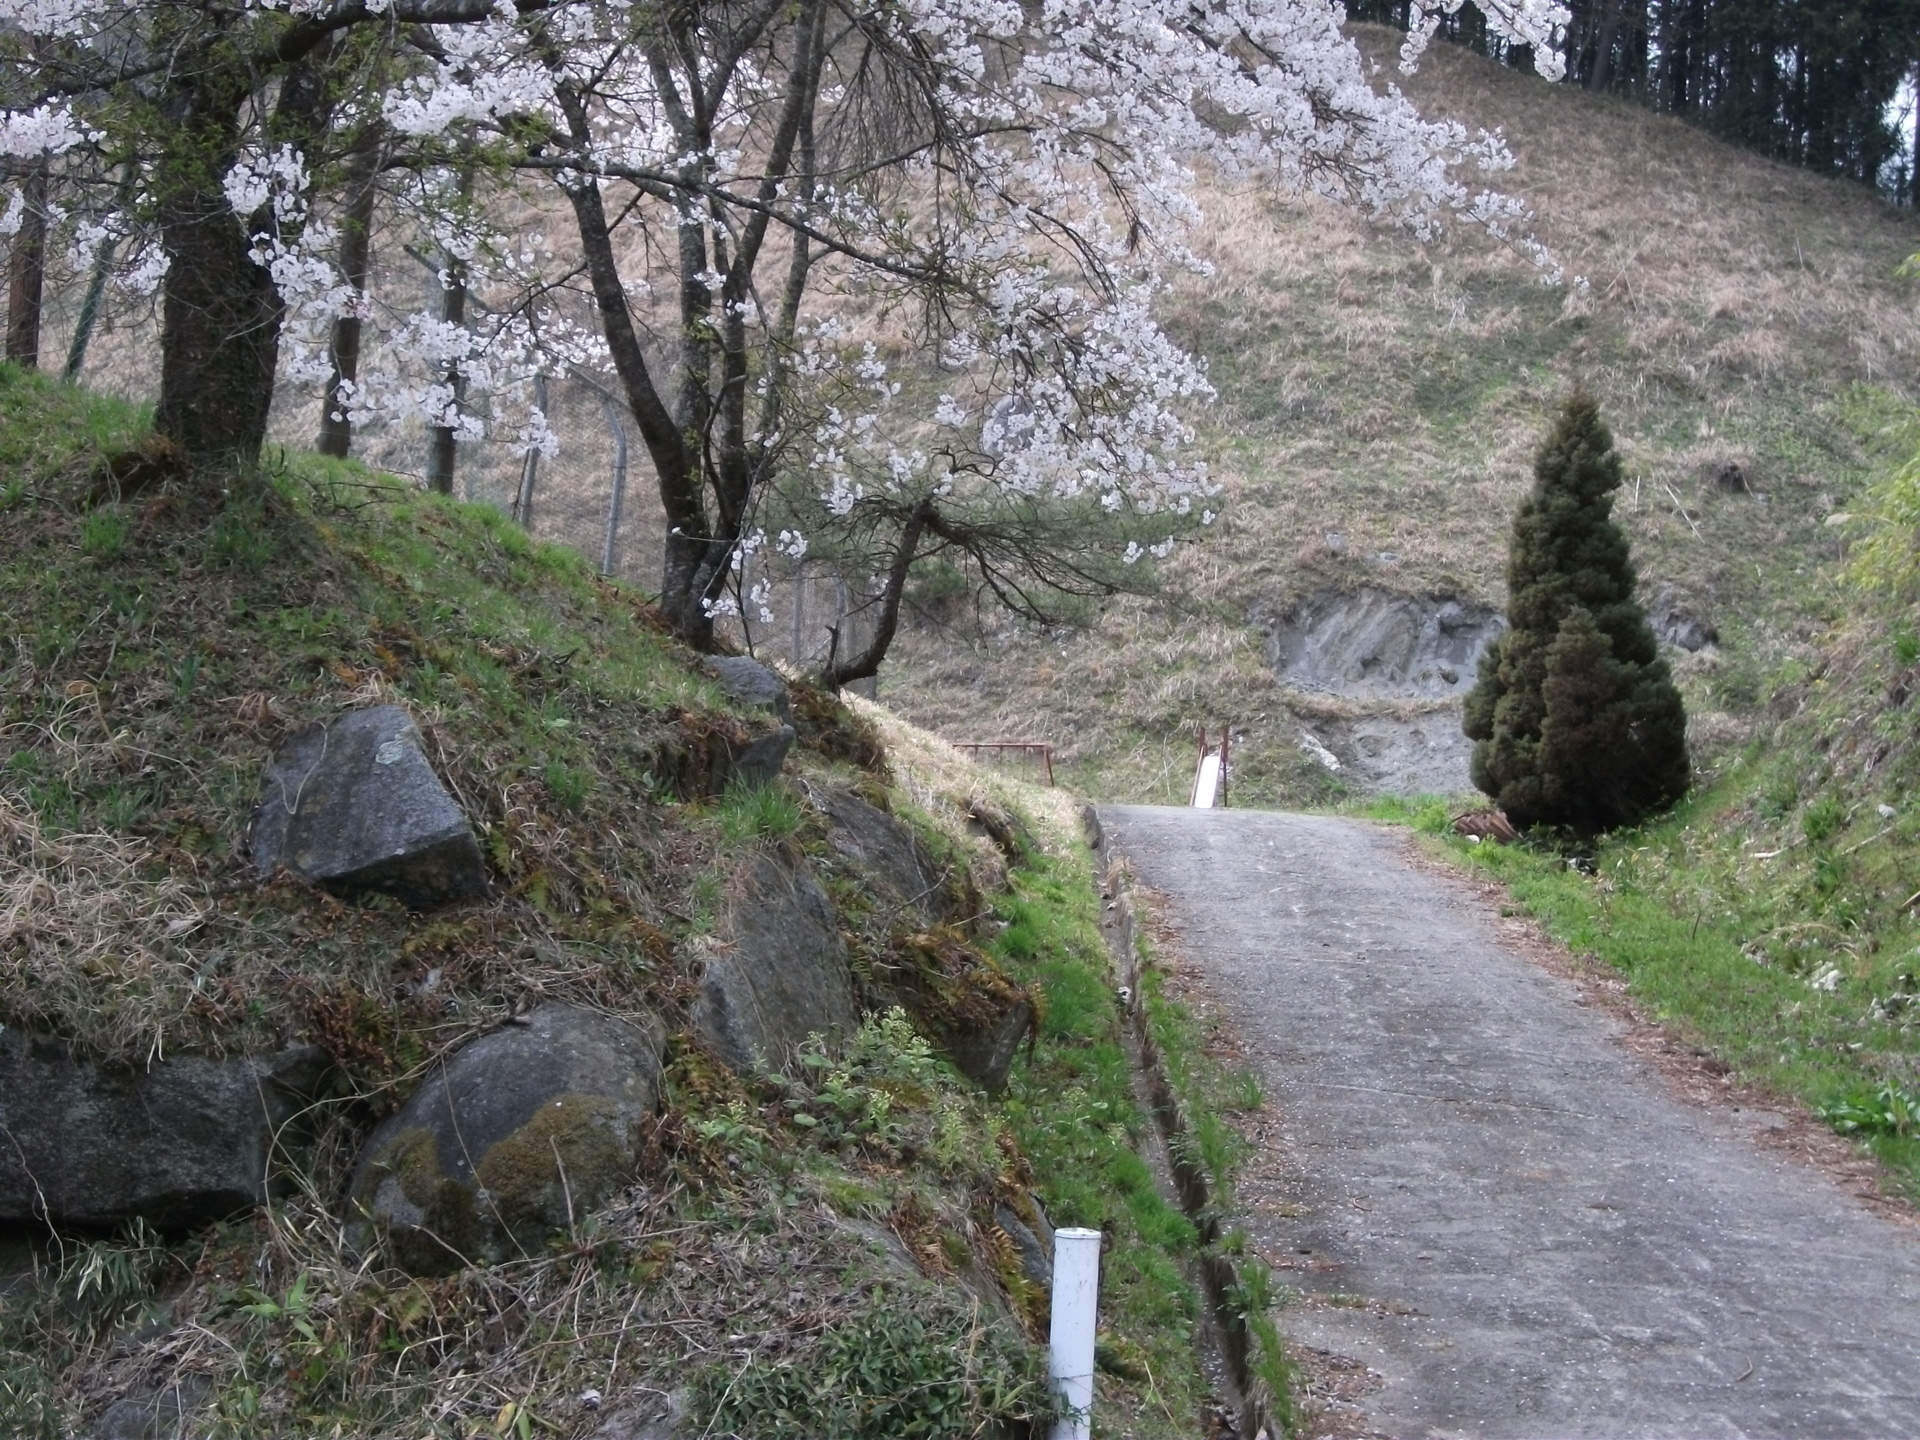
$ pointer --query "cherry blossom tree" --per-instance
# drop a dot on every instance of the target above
(877, 275)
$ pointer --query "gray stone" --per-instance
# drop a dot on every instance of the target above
(658, 1417)
(1035, 1263)
(1677, 623)
(1730, 477)
(900, 872)
(352, 804)
(522, 1131)
(985, 1053)
(749, 683)
(756, 763)
(166, 1413)
(177, 1144)
(1378, 643)
(780, 973)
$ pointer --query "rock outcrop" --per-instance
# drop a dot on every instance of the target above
(522, 1130)
(975, 1014)
(177, 1144)
(748, 683)
(899, 871)
(756, 762)
(779, 972)
(352, 804)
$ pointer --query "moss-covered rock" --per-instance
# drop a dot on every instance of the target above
(520, 1133)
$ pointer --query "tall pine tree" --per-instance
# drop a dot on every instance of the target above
(1575, 716)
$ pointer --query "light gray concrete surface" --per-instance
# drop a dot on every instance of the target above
(1504, 1212)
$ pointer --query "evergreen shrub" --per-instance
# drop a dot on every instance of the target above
(1575, 717)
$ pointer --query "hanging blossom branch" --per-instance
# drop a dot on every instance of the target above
(878, 277)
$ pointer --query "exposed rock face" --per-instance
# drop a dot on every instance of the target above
(975, 1014)
(1375, 643)
(168, 1413)
(351, 804)
(1676, 622)
(757, 762)
(179, 1144)
(781, 973)
(519, 1131)
(984, 1051)
(885, 851)
(747, 682)
(1036, 1261)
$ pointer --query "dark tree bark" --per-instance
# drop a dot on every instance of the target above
(26, 273)
(220, 315)
(867, 663)
(356, 240)
(442, 449)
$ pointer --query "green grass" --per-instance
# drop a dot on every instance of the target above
(161, 647)
(1738, 968)
(1073, 1112)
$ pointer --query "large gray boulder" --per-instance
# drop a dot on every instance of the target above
(169, 1411)
(521, 1132)
(753, 763)
(983, 1048)
(977, 1016)
(748, 683)
(176, 1144)
(900, 872)
(779, 971)
(352, 804)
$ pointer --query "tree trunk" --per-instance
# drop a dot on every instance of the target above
(219, 331)
(356, 236)
(220, 313)
(26, 273)
(1603, 46)
(867, 662)
(453, 310)
(441, 451)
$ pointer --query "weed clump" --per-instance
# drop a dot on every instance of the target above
(1575, 718)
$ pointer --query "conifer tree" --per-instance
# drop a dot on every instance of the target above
(1575, 716)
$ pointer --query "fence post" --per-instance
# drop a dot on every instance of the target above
(608, 558)
(26, 272)
(522, 511)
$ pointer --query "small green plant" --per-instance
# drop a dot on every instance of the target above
(1889, 1110)
(1823, 819)
(238, 539)
(1906, 645)
(751, 812)
(889, 1375)
(27, 1407)
(104, 534)
(568, 785)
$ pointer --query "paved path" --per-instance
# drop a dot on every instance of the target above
(1505, 1213)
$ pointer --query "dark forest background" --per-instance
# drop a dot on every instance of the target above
(1814, 82)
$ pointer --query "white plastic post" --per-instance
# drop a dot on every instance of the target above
(1076, 1309)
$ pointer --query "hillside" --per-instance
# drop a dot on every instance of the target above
(1379, 402)
(721, 1224)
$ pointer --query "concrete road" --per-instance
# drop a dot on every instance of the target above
(1503, 1212)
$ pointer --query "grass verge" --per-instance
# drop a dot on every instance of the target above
(1805, 1008)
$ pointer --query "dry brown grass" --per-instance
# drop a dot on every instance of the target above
(1393, 391)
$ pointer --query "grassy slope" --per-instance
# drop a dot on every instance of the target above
(158, 647)
(1393, 391)
(1771, 918)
